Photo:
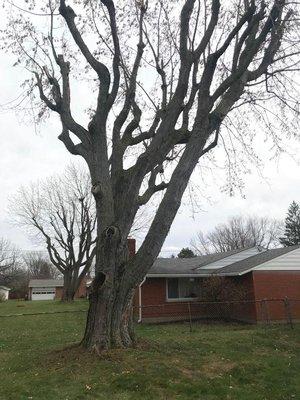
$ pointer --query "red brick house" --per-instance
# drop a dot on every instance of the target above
(267, 277)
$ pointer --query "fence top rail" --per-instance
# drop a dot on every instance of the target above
(41, 313)
(197, 302)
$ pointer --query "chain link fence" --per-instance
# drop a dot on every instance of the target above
(265, 311)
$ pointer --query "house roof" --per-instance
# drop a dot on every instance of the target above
(4, 287)
(243, 266)
(46, 283)
(187, 266)
(51, 283)
(206, 265)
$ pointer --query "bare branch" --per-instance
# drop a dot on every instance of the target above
(69, 15)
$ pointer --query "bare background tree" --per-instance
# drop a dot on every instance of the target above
(182, 81)
(238, 233)
(9, 261)
(39, 267)
(60, 212)
(12, 271)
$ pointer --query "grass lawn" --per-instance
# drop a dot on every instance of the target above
(213, 362)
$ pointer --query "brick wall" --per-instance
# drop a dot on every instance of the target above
(131, 246)
(81, 292)
(277, 285)
(58, 293)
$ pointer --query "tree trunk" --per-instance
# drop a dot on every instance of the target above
(110, 318)
(69, 288)
(109, 322)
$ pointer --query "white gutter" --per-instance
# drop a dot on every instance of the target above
(140, 300)
(198, 275)
(177, 275)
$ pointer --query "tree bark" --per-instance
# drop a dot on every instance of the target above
(110, 320)
(109, 323)
(69, 288)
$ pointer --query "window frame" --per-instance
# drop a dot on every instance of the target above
(178, 299)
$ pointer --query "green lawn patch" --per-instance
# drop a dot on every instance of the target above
(38, 360)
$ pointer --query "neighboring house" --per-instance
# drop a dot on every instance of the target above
(52, 289)
(169, 291)
(4, 291)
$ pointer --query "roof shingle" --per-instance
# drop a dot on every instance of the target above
(46, 283)
(187, 266)
(252, 262)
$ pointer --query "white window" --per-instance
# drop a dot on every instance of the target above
(182, 288)
(43, 290)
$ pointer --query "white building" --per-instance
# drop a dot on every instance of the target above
(4, 291)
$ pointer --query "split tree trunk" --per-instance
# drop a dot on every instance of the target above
(109, 321)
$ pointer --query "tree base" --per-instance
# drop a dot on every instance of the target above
(109, 323)
(67, 300)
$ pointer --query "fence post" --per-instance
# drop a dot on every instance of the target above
(190, 316)
(288, 313)
(265, 311)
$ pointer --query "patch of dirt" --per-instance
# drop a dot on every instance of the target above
(189, 373)
(145, 344)
(59, 357)
(214, 368)
(76, 354)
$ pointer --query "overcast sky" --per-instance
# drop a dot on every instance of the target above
(27, 155)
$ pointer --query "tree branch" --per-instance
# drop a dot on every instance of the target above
(69, 15)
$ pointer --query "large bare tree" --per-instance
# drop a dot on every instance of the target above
(238, 233)
(165, 77)
(60, 212)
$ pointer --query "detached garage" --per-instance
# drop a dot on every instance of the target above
(52, 289)
(45, 289)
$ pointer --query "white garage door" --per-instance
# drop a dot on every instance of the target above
(43, 293)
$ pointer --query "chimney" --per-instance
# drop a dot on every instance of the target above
(131, 247)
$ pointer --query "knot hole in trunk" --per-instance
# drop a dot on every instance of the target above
(111, 231)
(97, 284)
(97, 190)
